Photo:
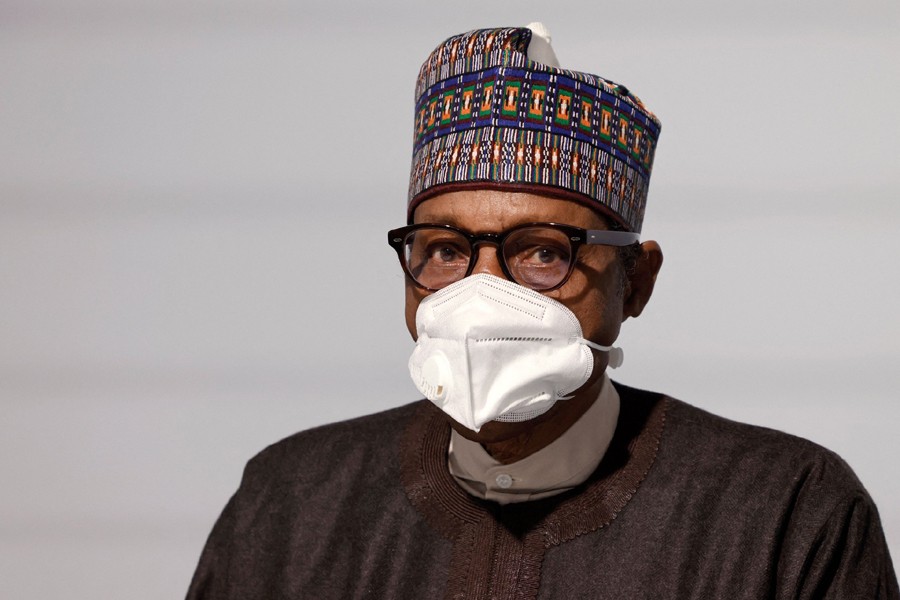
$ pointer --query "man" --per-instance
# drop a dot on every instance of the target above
(528, 473)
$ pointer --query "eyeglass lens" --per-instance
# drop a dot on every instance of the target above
(536, 257)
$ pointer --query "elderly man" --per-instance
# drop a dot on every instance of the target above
(527, 473)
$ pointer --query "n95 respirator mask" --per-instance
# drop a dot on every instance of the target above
(491, 350)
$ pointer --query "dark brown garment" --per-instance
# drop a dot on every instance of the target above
(684, 505)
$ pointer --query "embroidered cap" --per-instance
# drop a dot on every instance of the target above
(489, 116)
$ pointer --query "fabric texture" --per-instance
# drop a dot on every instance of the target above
(684, 505)
(486, 115)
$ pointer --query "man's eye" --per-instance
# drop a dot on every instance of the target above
(547, 255)
(444, 254)
(543, 255)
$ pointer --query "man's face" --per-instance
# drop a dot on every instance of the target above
(594, 292)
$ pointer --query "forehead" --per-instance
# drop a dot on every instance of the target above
(494, 210)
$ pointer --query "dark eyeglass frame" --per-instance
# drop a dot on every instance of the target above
(578, 237)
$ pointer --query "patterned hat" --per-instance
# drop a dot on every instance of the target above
(487, 116)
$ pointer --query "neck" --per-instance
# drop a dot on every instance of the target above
(548, 427)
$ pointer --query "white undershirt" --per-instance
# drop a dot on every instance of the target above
(564, 463)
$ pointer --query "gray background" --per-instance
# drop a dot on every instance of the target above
(193, 205)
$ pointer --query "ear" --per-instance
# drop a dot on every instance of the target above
(641, 282)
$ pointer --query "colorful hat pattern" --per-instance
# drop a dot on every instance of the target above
(487, 116)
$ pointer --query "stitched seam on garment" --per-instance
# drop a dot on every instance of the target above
(451, 511)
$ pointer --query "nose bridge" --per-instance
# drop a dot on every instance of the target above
(487, 258)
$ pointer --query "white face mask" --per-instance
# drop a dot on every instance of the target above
(491, 350)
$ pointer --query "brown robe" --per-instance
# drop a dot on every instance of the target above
(684, 505)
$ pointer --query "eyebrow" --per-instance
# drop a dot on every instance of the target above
(455, 223)
(481, 229)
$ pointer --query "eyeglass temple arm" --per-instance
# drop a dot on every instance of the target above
(612, 238)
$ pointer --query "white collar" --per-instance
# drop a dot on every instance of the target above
(566, 462)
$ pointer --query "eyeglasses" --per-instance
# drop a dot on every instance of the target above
(540, 256)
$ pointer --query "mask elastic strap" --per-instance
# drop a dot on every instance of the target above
(616, 355)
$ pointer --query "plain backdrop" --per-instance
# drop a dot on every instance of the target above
(194, 197)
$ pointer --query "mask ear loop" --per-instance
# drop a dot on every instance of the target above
(616, 355)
